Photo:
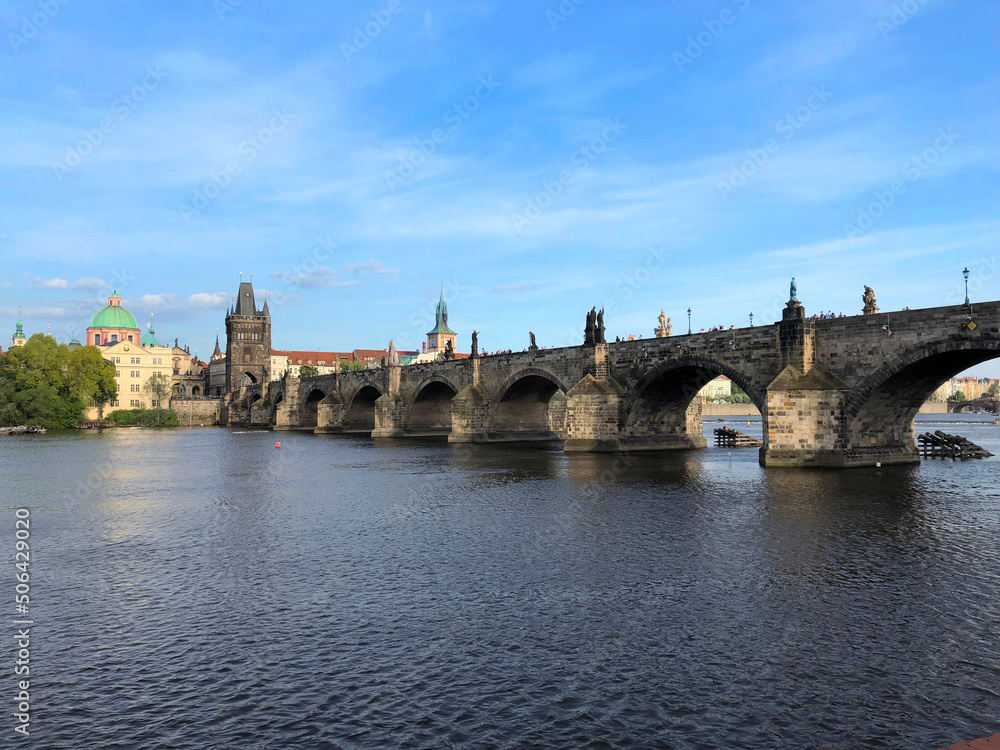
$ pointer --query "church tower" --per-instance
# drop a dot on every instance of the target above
(18, 338)
(248, 341)
(441, 333)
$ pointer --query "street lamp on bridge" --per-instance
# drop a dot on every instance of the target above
(689, 321)
(751, 320)
(965, 273)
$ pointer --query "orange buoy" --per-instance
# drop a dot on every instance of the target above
(278, 444)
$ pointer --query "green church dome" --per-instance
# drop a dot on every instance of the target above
(114, 316)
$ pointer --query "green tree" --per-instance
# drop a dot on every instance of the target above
(957, 396)
(159, 386)
(91, 378)
(34, 387)
(308, 371)
(994, 390)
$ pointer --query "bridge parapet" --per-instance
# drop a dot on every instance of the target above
(832, 392)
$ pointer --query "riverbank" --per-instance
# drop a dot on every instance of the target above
(749, 410)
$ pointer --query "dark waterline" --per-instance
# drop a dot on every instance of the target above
(209, 591)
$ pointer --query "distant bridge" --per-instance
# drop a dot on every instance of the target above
(979, 404)
(833, 392)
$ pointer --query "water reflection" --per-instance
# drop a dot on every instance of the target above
(415, 594)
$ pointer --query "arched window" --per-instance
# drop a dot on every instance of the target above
(114, 338)
(97, 339)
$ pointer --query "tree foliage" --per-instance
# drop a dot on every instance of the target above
(149, 417)
(308, 371)
(36, 386)
(957, 396)
(91, 378)
(158, 385)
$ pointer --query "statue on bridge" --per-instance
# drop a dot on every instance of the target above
(393, 354)
(590, 330)
(599, 331)
(871, 306)
(475, 345)
(449, 350)
(793, 291)
(533, 347)
(665, 328)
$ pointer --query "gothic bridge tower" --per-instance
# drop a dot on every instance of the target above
(248, 341)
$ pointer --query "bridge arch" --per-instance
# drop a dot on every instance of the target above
(662, 410)
(360, 413)
(531, 404)
(979, 404)
(310, 408)
(273, 409)
(430, 411)
(881, 408)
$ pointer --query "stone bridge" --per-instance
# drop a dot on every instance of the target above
(979, 404)
(836, 393)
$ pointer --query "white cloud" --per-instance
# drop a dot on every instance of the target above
(87, 284)
(207, 300)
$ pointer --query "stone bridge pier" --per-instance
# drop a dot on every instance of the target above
(832, 392)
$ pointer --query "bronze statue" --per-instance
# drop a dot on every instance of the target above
(533, 344)
(871, 306)
(449, 350)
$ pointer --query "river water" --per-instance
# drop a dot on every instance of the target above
(201, 589)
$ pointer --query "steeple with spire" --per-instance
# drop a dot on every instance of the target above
(150, 338)
(438, 336)
(18, 338)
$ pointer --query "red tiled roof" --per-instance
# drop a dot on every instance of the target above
(302, 357)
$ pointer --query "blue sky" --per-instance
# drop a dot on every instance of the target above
(536, 157)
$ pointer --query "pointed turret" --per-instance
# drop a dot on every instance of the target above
(441, 318)
(18, 338)
(266, 312)
(150, 338)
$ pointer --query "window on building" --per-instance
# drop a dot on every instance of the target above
(118, 373)
(97, 338)
(115, 402)
(114, 338)
(129, 338)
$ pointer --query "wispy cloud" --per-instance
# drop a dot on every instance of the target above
(89, 284)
